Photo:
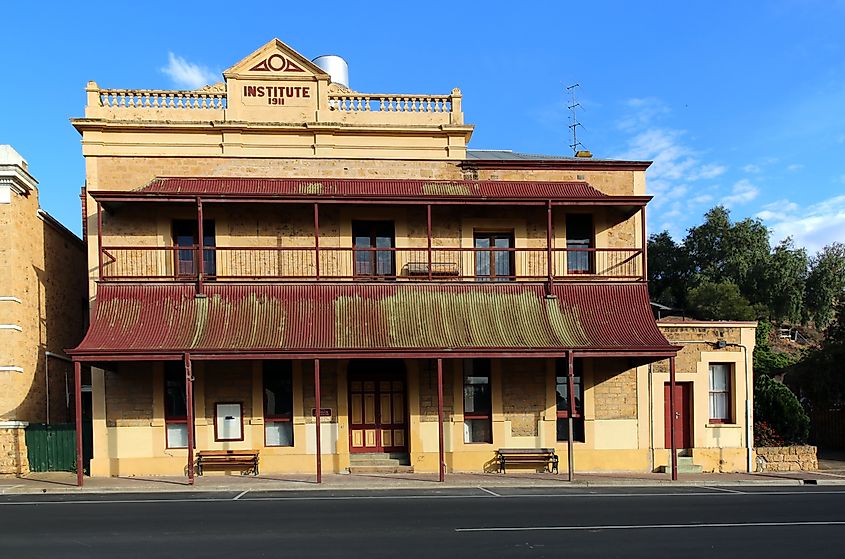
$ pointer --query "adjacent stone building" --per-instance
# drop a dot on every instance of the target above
(43, 302)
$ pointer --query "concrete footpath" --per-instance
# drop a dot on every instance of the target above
(65, 482)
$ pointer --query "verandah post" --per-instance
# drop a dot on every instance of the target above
(644, 242)
(570, 374)
(100, 240)
(672, 419)
(440, 449)
(77, 392)
(189, 406)
(317, 239)
(317, 419)
(549, 237)
(428, 233)
(201, 244)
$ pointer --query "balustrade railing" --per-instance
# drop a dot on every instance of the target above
(161, 99)
(373, 102)
(369, 264)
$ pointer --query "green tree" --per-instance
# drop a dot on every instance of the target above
(821, 375)
(784, 280)
(825, 285)
(776, 405)
(766, 360)
(719, 301)
(668, 271)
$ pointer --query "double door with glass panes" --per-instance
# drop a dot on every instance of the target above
(377, 412)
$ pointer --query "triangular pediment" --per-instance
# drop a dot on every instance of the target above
(275, 59)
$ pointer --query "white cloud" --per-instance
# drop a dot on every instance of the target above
(812, 227)
(752, 168)
(743, 191)
(187, 74)
(794, 167)
(644, 111)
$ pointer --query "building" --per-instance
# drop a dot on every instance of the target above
(43, 305)
(315, 267)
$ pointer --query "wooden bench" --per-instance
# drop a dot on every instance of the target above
(513, 456)
(246, 460)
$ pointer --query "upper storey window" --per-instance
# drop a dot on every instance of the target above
(374, 243)
(580, 240)
(186, 238)
(495, 262)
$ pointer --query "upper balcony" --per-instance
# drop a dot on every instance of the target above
(303, 230)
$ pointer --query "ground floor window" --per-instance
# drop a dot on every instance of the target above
(720, 393)
(175, 405)
(478, 427)
(562, 390)
(278, 403)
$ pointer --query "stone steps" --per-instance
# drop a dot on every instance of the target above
(685, 466)
(380, 463)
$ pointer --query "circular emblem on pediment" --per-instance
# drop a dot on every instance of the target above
(277, 63)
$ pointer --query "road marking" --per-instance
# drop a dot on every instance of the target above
(724, 489)
(8, 488)
(655, 526)
(241, 494)
(490, 492)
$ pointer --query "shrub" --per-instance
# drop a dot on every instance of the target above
(765, 435)
(776, 405)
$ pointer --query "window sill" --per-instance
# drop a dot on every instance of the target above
(723, 426)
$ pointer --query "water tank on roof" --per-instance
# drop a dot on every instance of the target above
(334, 66)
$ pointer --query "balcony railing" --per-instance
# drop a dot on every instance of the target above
(368, 264)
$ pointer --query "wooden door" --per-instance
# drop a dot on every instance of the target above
(682, 419)
(377, 412)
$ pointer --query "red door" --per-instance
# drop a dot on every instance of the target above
(376, 410)
(683, 426)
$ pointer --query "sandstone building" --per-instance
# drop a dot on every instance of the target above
(43, 304)
(282, 264)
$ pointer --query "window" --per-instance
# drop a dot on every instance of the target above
(278, 404)
(185, 236)
(175, 406)
(580, 259)
(562, 390)
(367, 236)
(720, 393)
(494, 265)
(478, 426)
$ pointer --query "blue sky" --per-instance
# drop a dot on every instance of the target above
(740, 103)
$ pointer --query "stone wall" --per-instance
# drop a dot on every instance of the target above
(615, 393)
(129, 395)
(786, 459)
(523, 394)
(13, 456)
(428, 390)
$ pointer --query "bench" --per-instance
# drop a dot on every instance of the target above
(513, 456)
(438, 269)
(246, 460)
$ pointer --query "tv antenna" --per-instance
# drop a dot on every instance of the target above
(573, 117)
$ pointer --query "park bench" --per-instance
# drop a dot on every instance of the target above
(519, 456)
(246, 460)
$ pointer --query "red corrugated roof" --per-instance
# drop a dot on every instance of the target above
(133, 319)
(370, 188)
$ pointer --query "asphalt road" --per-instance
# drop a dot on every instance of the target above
(541, 522)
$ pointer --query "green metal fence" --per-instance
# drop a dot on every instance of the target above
(51, 448)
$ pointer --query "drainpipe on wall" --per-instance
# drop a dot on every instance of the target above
(47, 356)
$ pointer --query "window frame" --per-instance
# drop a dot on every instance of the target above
(493, 253)
(187, 228)
(486, 415)
(373, 251)
(580, 246)
(728, 392)
(277, 418)
(217, 437)
(561, 371)
(174, 368)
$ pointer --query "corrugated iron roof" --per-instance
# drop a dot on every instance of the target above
(135, 319)
(370, 188)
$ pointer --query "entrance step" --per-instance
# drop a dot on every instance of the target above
(380, 463)
(685, 466)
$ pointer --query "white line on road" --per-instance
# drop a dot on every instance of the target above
(241, 494)
(724, 489)
(655, 526)
(490, 492)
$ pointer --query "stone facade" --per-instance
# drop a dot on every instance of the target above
(786, 459)
(13, 455)
(42, 303)
(615, 393)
